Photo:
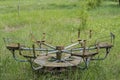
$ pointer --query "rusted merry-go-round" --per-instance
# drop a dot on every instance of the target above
(45, 57)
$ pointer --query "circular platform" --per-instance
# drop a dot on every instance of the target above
(45, 62)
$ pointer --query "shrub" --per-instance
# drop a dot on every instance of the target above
(93, 3)
(83, 19)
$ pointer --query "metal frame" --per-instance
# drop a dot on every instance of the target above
(59, 50)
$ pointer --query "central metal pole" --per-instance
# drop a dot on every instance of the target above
(59, 53)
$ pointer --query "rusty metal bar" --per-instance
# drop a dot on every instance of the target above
(84, 45)
(72, 45)
(36, 49)
(19, 49)
(44, 36)
(53, 51)
(78, 33)
(90, 34)
(50, 46)
(33, 46)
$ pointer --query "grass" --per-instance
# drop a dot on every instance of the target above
(57, 18)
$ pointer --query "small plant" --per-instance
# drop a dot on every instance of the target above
(93, 3)
(83, 19)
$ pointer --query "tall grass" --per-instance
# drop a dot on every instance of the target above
(58, 18)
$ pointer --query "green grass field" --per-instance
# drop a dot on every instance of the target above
(59, 19)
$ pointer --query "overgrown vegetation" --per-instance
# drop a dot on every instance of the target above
(93, 3)
(58, 18)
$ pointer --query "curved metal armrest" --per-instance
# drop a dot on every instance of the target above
(106, 54)
(109, 43)
(19, 48)
(112, 38)
(14, 56)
